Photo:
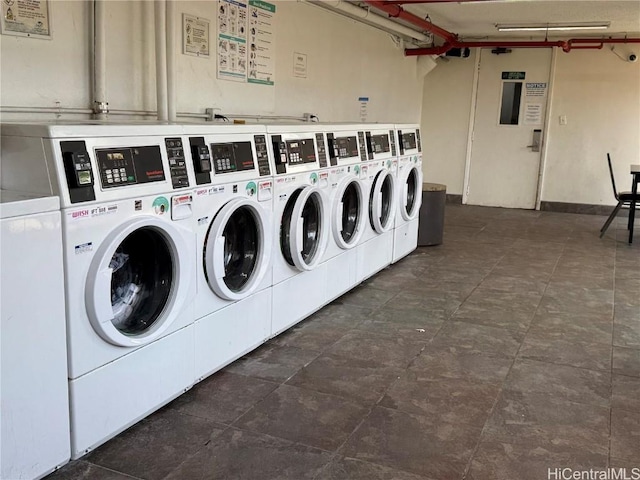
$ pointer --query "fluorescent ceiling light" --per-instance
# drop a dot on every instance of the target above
(551, 27)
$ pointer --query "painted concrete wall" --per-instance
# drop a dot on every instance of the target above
(597, 91)
(445, 121)
(346, 60)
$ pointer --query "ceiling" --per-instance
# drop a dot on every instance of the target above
(477, 19)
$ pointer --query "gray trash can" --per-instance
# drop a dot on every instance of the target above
(434, 197)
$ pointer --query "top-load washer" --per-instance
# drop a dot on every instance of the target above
(348, 199)
(129, 257)
(233, 206)
(35, 402)
(379, 172)
(302, 222)
(405, 234)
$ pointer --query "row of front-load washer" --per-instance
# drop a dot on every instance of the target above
(187, 246)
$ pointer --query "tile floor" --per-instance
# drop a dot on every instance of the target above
(512, 348)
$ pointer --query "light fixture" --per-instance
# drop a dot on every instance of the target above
(552, 27)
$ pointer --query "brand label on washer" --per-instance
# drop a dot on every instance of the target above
(160, 205)
(106, 210)
(216, 190)
(79, 214)
(181, 200)
(83, 248)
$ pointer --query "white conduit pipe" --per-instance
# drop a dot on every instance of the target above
(99, 59)
(161, 59)
(171, 61)
(365, 16)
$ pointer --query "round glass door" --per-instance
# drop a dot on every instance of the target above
(411, 186)
(236, 249)
(303, 232)
(350, 212)
(142, 273)
(381, 202)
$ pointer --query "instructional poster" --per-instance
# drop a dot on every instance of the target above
(195, 36)
(246, 45)
(27, 18)
(232, 40)
(261, 42)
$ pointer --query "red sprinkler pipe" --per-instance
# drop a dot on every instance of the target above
(396, 11)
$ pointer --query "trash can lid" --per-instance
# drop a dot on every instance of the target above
(433, 187)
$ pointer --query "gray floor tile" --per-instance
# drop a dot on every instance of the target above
(157, 445)
(496, 308)
(337, 314)
(626, 361)
(570, 327)
(417, 324)
(273, 362)
(416, 444)
(625, 393)
(540, 346)
(223, 397)
(311, 336)
(625, 434)
(343, 468)
(366, 296)
(502, 460)
(381, 349)
(304, 416)
(451, 400)
(537, 419)
(479, 338)
(562, 382)
(246, 456)
(361, 381)
(83, 470)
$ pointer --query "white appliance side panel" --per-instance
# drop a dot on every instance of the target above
(111, 398)
(21, 155)
(374, 255)
(35, 403)
(341, 273)
(297, 298)
(227, 334)
(405, 240)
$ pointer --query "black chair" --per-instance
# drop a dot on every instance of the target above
(623, 198)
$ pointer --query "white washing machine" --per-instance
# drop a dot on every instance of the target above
(375, 250)
(233, 206)
(35, 403)
(405, 234)
(129, 254)
(302, 223)
(348, 202)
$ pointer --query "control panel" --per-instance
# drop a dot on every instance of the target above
(201, 160)
(345, 147)
(407, 141)
(418, 139)
(322, 151)
(129, 165)
(392, 138)
(378, 143)
(293, 152)
(232, 157)
(362, 142)
(78, 171)
(263, 155)
(177, 162)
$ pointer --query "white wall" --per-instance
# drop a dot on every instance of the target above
(346, 60)
(445, 121)
(597, 91)
(600, 95)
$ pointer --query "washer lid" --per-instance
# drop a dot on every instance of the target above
(138, 281)
(237, 250)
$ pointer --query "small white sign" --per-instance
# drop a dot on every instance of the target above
(364, 102)
(195, 36)
(533, 114)
(299, 65)
(533, 89)
(26, 18)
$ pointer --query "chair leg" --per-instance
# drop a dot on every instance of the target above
(604, 228)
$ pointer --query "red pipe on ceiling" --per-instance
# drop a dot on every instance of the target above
(402, 2)
(393, 9)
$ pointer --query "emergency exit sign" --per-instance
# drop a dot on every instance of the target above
(513, 75)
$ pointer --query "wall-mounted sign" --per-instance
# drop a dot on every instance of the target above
(262, 63)
(536, 89)
(299, 65)
(232, 40)
(26, 18)
(533, 113)
(364, 106)
(195, 36)
(513, 75)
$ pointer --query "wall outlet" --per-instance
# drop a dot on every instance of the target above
(563, 119)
